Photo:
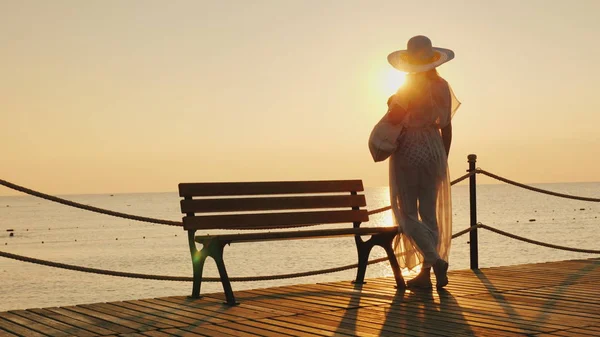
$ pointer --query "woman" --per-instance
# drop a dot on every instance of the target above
(419, 177)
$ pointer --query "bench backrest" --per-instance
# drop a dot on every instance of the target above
(266, 205)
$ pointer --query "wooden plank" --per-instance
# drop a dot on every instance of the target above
(133, 315)
(179, 332)
(218, 329)
(312, 299)
(499, 316)
(226, 313)
(325, 326)
(263, 325)
(4, 333)
(353, 298)
(550, 294)
(349, 325)
(258, 331)
(458, 317)
(114, 318)
(16, 329)
(415, 322)
(574, 333)
(32, 325)
(543, 300)
(273, 220)
(236, 313)
(156, 333)
(66, 328)
(557, 308)
(294, 235)
(173, 319)
(287, 304)
(68, 320)
(271, 203)
(595, 328)
(305, 328)
(278, 304)
(387, 326)
(269, 187)
(106, 324)
(200, 314)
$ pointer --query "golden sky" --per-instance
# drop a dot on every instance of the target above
(137, 96)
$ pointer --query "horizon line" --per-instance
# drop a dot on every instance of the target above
(462, 183)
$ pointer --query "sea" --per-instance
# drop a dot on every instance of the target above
(58, 233)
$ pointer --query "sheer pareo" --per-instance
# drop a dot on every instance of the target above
(419, 177)
(423, 213)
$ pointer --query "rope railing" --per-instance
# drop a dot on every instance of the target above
(271, 277)
(453, 182)
(538, 243)
(535, 189)
(178, 223)
(137, 217)
(87, 207)
(459, 179)
(204, 279)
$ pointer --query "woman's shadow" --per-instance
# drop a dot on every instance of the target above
(425, 313)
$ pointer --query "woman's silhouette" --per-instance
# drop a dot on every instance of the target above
(419, 177)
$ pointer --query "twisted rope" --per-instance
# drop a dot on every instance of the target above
(459, 179)
(455, 181)
(86, 207)
(269, 277)
(137, 217)
(539, 243)
(204, 279)
(535, 189)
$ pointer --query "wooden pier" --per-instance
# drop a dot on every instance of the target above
(546, 299)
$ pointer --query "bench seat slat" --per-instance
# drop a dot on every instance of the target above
(272, 220)
(273, 203)
(270, 187)
(292, 235)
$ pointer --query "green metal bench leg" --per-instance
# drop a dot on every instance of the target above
(384, 240)
(364, 249)
(218, 256)
(198, 269)
(198, 258)
(395, 265)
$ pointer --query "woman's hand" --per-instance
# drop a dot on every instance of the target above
(447, 137)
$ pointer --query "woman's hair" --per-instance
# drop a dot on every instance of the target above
(417, 86)
(430, 74)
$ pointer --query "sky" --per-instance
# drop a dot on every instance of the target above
(138, 96)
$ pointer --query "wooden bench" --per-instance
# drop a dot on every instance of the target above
(263, 206)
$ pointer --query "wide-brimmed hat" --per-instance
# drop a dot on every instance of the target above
(419, 56)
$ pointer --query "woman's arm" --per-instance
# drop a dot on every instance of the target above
(447, 137)
(446, 102)
(396, 113)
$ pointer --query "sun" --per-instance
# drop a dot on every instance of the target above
(394, 80)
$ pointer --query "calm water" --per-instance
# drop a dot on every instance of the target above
(82, 238)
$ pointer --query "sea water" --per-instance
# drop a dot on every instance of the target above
(50, 231)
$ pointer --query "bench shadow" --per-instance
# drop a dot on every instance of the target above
(364, 309)
(349, 320)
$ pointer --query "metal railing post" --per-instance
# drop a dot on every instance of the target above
(472, 159)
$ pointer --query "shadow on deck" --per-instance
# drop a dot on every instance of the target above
(546, 299)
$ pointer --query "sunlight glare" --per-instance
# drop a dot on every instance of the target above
(394, 80)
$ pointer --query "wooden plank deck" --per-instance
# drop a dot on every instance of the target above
(546, 299)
